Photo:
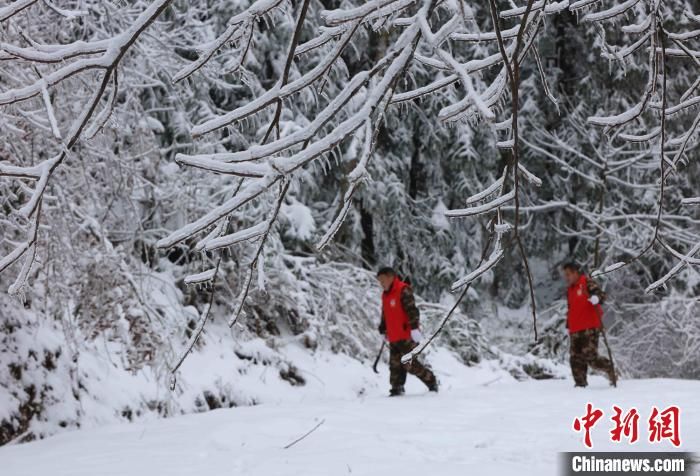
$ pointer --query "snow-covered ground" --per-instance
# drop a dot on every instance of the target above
(483, 422)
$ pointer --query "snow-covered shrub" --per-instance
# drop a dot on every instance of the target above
(658, 339)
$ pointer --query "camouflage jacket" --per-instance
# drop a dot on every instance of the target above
(594, 289)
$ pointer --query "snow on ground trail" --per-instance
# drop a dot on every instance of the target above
(482, 427)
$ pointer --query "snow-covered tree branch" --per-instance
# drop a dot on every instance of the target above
(264, 103)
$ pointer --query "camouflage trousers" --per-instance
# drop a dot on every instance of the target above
(398, 371)
(584, 353)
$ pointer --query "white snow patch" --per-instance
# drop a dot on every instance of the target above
(480, 424)
(438, 219)
(301, 221)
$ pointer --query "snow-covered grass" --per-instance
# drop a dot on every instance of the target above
(483, 422)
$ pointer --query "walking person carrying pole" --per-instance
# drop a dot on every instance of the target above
(400, 324)
(584, 321)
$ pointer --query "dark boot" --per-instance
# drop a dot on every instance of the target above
(396, 391)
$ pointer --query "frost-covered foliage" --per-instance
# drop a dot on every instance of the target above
(168, 168)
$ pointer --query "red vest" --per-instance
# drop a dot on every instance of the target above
(582, 314)
(395, 318)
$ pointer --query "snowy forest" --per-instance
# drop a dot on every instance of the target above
(195, 197)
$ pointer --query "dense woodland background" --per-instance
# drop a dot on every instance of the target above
(92, 325)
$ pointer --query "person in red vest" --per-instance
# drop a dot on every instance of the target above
(400, 325)
(584, 323)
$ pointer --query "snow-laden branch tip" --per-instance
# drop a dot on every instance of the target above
(50, 113)
(495, 187)
(653, 134)
(683, 261)
(505, 144)
(549, 8)
(55, 53)
(612, 12)
(618, 119)
(14, 8)
(22, 248)
(510, 33)
(579, 4)
(199, 278)
(339, 16)
(240, 169)
(492, 261)
(243, 235)
(529, 176)
(608, 269)
(481, 209)
(543, 207)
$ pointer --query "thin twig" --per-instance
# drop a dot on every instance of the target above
(305, 434)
